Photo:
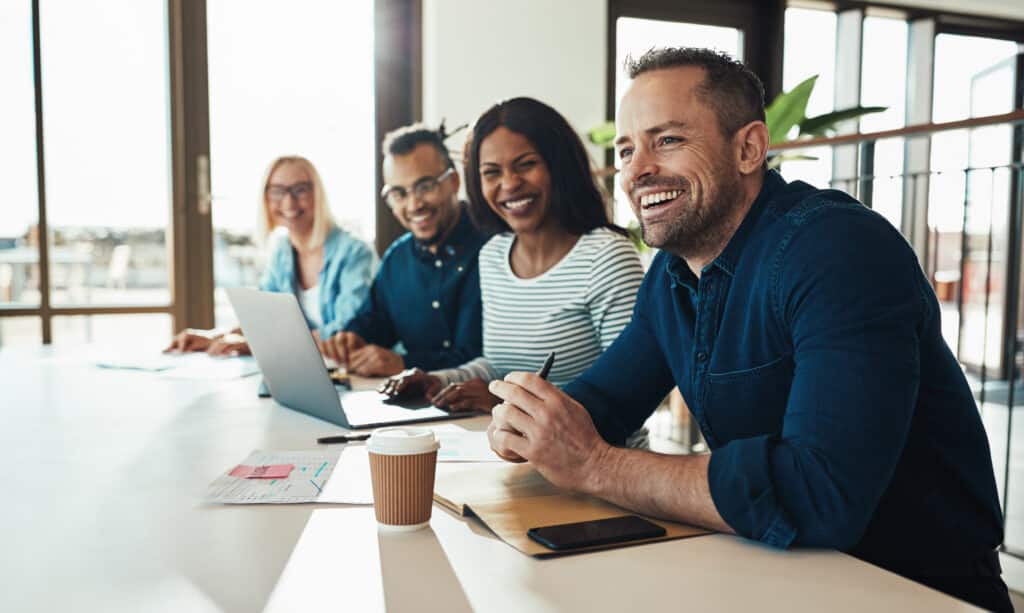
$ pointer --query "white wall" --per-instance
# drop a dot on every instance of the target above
(476, 52)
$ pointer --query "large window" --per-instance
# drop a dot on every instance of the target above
(810, 49)
(19, 257)
(969, 83)
(882, 82)
(106, 143)
(107, 157)
(287, 82)
(155, 121)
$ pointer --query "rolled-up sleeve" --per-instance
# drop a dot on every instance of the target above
(849, 292)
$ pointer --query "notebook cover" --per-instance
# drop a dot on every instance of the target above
(512, 498)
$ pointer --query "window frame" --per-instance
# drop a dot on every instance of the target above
(397, 74)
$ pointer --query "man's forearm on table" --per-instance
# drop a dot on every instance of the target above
(665, 486)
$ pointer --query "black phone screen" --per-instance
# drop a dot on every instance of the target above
(596, 532)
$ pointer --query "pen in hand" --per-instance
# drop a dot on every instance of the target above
(546, 368)
(543, 374)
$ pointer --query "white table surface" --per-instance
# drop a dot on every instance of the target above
(101, 511)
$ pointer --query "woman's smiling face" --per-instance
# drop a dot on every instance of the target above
(290, 196)
(515, 180)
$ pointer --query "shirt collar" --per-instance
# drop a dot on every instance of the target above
(773, 182)
(679, 272)
(454, 242)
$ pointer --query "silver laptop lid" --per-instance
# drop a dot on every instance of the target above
(294, 370)
(284, 348)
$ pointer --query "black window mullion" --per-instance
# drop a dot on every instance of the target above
(42, 228)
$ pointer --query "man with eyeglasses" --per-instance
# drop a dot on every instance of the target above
(426, 296)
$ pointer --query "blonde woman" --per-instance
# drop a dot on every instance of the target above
(327, 269)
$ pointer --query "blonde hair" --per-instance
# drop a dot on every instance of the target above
(323, 222)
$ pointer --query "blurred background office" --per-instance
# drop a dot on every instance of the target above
(134, 133)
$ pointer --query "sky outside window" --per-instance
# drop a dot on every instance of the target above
(17, 121)
(810, 49)
(291, 78)
(883, 75)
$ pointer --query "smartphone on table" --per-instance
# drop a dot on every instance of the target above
(596, 532)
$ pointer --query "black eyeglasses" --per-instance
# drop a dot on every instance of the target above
(275, 193)
(396, 195)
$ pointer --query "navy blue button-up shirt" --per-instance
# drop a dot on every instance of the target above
(811, 356)
(428, 302)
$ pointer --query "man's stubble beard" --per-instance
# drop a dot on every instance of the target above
(445, 227)
(702, 227)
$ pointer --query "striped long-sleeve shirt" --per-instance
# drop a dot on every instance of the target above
(577, 308)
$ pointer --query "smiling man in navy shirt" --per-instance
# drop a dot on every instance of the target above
(805, 339)
(426, 295)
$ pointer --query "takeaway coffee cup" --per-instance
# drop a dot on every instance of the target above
(402, 463)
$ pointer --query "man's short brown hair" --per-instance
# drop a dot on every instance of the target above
(729, 88)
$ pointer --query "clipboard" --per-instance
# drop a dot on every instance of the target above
(512, 498)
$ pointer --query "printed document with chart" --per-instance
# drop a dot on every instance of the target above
(330, 476)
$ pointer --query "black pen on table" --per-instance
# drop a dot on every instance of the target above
(342, 438)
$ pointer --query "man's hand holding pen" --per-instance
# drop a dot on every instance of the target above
(542, 424)
(539, 423)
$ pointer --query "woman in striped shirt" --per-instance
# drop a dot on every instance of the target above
(558, 275)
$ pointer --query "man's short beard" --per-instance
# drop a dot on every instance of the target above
(442, 230)
(433, 239)
(699, 230)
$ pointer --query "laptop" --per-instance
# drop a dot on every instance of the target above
(295, 372)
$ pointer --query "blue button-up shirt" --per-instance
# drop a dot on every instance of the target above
(344, 278)
(428, 302)
(810, 354)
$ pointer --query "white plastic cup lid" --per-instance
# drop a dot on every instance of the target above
(402, 441)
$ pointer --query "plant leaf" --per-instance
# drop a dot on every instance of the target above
(823, 125)
(788, 109)
(603, 135)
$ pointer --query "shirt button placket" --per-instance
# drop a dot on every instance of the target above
(703, 340)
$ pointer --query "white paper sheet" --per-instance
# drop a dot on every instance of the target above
(149, 361)
(312, 476)
(461, 445)
(350, 482)
(192, 365)
(214, 369)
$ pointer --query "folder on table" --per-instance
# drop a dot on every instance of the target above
(510, 499)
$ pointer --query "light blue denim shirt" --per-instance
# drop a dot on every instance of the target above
(345, 276)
